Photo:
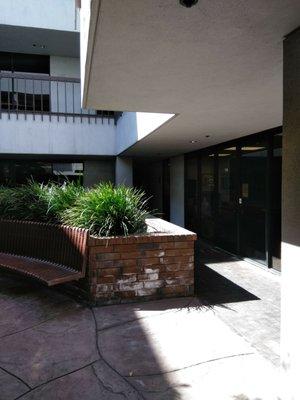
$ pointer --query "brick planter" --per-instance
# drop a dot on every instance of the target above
(155, 265)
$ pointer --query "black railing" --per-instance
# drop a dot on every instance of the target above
(46, 95)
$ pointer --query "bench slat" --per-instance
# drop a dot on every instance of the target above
(50, 253)
(44, 271)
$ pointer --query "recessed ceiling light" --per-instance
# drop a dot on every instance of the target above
(188, 3)
(207, 136)
(252, 148)
(231, 148)
(41, 46)
(193, 141)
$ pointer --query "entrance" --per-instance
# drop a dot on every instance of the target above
(253, 200)
(239, 196)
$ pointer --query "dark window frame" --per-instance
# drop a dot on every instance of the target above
(269, 136)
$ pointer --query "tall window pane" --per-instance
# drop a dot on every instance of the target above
(207, 225)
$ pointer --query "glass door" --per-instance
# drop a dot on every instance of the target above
(166, 189)
(207, 202)
(239, 192)
(227, 199)
(253, 200)
(191, 193)
(275, 203)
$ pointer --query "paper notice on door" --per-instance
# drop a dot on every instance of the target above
(245, 190)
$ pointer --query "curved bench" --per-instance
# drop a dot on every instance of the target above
(53, 254)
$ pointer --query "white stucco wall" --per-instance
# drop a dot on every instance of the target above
(126, 131)
(85, 17)
(53, 14)
(59, 137)
(177, 190)
(68, 67)
(134, 126)
(20, 136)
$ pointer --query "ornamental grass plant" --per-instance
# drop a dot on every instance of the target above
(105, 210)
(62, 197)
(27, 202)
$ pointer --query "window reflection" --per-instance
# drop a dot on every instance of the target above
(207, 198)
(15, 172)
(192, 193)
(253, 209)
(227, 189)
(240, 203)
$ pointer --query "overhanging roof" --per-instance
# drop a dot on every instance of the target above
(20, 39)
(217, 65)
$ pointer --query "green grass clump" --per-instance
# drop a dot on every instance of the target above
(62, 197)
(109, 211)
(5, 199)
(105, 210)
(38, 202)
(27, 202)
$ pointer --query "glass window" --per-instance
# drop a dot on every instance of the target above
(15, 172)
(19, 62)
(191, 193)
(253, 205)
(207, 225)
(240, 197)
(227, 194)
(276, 179)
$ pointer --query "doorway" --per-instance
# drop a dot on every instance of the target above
(238, 194)
(253, 207)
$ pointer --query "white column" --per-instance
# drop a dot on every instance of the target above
(124, 171)
(290, 314)
(98, 171)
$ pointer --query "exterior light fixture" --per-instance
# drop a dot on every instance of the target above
(188, 3)
(41, 46)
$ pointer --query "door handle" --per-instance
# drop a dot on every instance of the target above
(240, 200)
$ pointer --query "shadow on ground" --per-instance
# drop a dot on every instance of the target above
(53, 345)
(211, 287)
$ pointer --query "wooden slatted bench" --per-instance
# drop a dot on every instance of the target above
(52, 254)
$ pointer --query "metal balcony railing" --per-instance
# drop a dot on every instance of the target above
(47, 95)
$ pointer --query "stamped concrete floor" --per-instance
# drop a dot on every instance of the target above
(244, 296)
(217, 346)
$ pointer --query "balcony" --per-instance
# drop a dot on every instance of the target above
(54, 97)
(42, 115)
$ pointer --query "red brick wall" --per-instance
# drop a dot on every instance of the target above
(149, 267)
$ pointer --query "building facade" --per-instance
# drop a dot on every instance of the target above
(226, 164)
(228, 191)
(224, 187)
(198, 106)
(44, 132)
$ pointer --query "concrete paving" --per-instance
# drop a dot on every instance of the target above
(217, 346)
(244, 296)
